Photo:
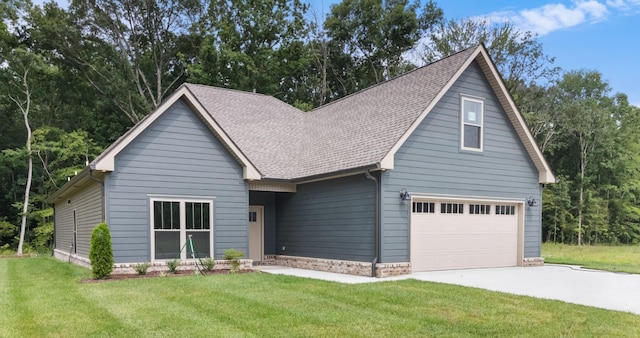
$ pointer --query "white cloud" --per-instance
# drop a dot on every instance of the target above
(556, 16)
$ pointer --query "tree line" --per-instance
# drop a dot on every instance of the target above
(74, 79)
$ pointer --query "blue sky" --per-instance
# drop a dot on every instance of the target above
(602, 35)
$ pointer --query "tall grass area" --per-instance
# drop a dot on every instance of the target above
(602, 257)
(42, 297)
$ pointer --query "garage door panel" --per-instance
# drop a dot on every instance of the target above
(457, 241)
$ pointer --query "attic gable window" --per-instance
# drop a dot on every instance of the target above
(472, 123)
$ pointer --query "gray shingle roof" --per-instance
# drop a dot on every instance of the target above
(353, 132)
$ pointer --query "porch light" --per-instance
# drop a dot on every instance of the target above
(531, 201)
(404, 195)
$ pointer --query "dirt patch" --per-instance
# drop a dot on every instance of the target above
(160, 274)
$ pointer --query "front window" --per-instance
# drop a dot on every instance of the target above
(178, 225)
(472, 116)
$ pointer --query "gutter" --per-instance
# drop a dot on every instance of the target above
(377, 223)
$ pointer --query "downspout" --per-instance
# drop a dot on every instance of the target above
(53, 249)
(377, 223)
(102, 206)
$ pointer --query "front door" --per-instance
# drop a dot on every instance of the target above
(256, 233)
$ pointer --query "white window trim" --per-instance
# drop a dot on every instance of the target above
(183, 222)
(464, 98)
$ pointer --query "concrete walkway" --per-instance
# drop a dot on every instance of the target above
(607, 290)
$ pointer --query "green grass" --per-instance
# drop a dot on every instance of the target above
(601, 257)
(42, 297)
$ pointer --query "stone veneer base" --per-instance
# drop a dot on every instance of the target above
(340, 266)
(532, 261)
(128, 268)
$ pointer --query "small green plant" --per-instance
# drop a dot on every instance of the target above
(173, 265)
(141, 268)
(208, 263)
(100, 252)
(233, 256)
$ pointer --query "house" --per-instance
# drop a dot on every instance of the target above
(435, 169)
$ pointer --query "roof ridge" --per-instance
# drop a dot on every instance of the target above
(239, 91)
(394, 78)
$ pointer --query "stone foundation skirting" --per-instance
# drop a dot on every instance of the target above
(533, 261)
(128, 268)
(72, 258)
(340, 266)
(185, 265)
(393, 269)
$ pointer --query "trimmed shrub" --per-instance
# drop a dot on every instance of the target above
(101, 253)
(208, 263)
(141, 268)
(233, 256)
(173, 265)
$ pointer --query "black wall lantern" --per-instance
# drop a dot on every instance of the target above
(531, 201)
(404, 195)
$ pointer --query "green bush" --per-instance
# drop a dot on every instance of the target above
(173, 265)
(100, 253)
(141, 268)
(233, 256)
(208, 263)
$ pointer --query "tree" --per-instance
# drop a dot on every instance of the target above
(20, 64)
(254, 46)
(586, 114)
(518, 55)
(132, 52)
(369, 37)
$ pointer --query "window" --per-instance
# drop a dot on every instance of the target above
(451, 208)
(174, 222)
(479, 209)
(472, 119)
(424, 207)
(505, 210)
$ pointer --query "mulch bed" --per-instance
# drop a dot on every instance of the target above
(158, 274)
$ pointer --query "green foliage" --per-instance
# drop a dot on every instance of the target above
(367, 40)
(7, 231)
(517, 54)
(208, 263)
(255, 45)
(100, 252)
(141, 268)
(172, 265)
(233, 256)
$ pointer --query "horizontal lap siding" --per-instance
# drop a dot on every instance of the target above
(88, 205)
(266, 199)
(177, 156)
(332, 219)
(431, 162)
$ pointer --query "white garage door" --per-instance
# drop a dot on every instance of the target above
(463, 234)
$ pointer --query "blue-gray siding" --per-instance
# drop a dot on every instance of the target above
(177, 156)
(329, 219)
(431, 162)
(268, 201)
(87, 203)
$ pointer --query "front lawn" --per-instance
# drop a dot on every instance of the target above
(43, 297)
(601, 257)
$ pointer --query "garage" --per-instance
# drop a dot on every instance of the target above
(463, 234)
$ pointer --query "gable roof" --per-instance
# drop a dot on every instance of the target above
(274, 140)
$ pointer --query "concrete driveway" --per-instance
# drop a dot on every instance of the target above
(607, 290)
